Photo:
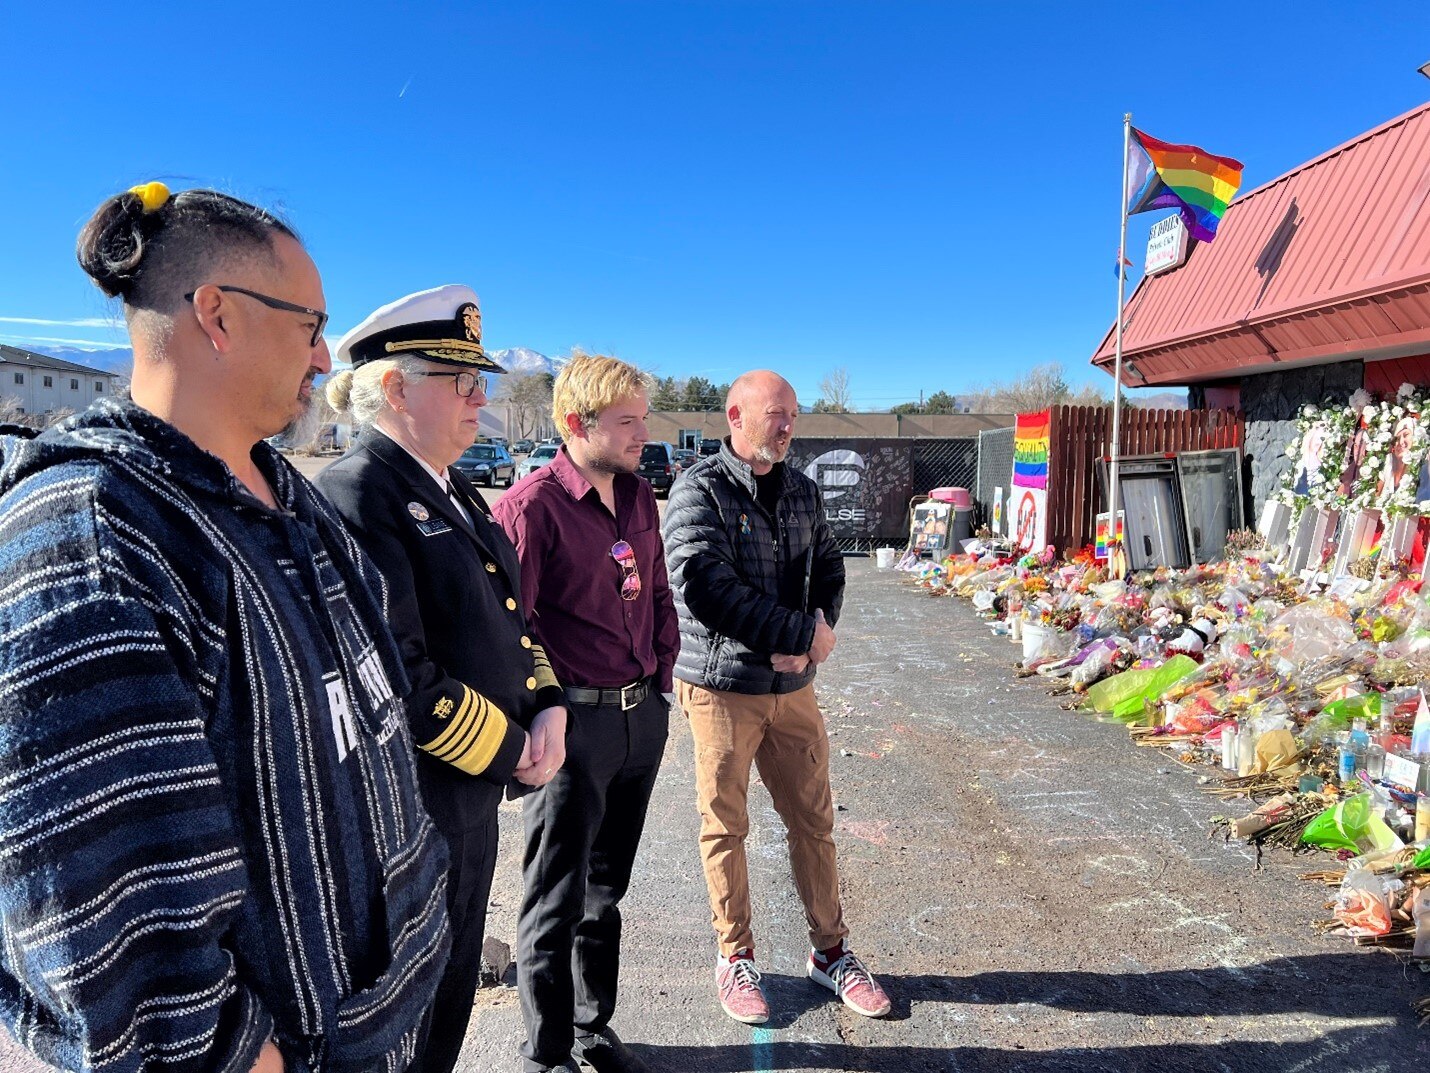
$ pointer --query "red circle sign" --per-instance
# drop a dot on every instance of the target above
(1027, 526)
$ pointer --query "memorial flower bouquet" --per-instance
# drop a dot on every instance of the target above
(1397, 434)
(1318, 454)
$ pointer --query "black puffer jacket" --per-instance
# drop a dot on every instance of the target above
(739, 575)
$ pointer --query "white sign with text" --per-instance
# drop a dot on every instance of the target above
(1166, 245)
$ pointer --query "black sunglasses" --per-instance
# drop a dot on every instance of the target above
(276, 303)
(465, 382)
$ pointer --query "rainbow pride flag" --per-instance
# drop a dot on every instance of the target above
(1196, 183)
(1032, 441)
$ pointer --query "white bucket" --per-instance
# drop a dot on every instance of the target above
(885, 557)
(1035, 636)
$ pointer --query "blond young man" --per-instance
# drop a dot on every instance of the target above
(594, 586)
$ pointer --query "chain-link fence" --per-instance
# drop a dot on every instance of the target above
(995, 469)
(945, 463)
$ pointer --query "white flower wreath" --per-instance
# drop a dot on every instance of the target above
(1337, 426)
(1382, 421)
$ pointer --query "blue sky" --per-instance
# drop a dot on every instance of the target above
(923, 193)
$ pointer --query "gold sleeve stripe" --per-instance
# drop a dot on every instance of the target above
(482, 751)
(472, 738)
(471, 749)
(457, 726)
(457, 745)
(545, 676)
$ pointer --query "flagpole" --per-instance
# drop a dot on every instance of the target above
(1117, 361)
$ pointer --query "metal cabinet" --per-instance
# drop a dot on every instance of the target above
(1180, 508)
(1211, 500)
(1154, 523)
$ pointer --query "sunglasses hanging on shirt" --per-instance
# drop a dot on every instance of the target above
(625, 557)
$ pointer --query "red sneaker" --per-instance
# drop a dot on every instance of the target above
(739, 983)
(847, 977)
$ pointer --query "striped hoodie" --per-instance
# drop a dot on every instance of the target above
(209, 825)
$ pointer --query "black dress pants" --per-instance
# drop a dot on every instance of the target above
(469, 887)
(582, 832)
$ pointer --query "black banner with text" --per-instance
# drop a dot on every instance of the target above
(866, 484)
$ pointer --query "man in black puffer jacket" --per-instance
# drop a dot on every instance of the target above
(758, 584)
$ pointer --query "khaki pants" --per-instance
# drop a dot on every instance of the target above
(784, 737)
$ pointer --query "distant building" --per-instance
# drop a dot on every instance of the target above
(502, 418)
(37, 384)
(688, 428)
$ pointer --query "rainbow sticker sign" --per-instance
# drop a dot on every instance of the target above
(1100, 549)
(1031, 444)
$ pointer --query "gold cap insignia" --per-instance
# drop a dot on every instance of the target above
(471, 319)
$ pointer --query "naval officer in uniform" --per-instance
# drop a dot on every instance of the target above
(486, 711)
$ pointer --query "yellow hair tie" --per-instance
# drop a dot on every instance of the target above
(153, 195)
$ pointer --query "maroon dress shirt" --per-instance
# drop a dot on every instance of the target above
(571, 584)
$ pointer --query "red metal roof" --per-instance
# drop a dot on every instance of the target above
(1329, 261)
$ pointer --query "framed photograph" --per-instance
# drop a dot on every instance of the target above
(930, 527)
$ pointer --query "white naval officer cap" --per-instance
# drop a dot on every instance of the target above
(443, 324)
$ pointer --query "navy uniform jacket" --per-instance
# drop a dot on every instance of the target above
(455, 608)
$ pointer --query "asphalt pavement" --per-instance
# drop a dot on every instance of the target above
(1036, 893)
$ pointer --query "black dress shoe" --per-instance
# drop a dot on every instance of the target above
(605, 1053)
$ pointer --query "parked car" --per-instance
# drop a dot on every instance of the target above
(538, 458)
(522, 447)
(709, 447)
(658, 465)
(334, 437)
(684, 459)
(487, 463)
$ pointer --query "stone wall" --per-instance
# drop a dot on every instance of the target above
(1270, 402)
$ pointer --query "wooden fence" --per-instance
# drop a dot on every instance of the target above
(1081, 435)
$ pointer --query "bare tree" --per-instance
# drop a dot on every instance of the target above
(12, 412)
(834, 394)
(1037, 389)
(528, 401)
(123, 377)
(1087, 395)
(54, 417)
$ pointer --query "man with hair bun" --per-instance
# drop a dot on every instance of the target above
(593, 580)
(416, 389)
(213, 855)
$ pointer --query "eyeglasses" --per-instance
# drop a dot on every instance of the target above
(276, 303)
(466, 383)
(625, 557)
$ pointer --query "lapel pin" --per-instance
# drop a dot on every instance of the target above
(418, 511)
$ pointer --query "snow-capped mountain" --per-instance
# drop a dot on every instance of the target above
(110, 359)
(520, 359)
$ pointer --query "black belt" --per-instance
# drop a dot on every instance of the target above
(624, 697)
